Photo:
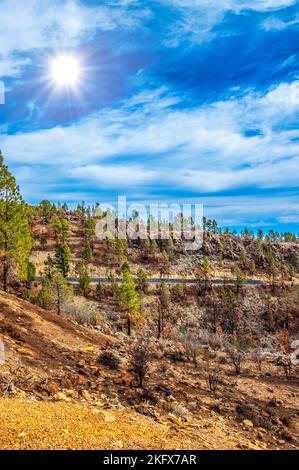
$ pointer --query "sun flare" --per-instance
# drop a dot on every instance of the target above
(65, 70)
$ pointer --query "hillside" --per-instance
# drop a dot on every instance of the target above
(211, 364)
(224, 251)
(58, 382)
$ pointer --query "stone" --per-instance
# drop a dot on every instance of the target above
(86, 395)
(52, 388)
(248, 423)
(170, 398)
(107, 417)
(11, 388)
(60, 396)
(26, 352)
(69, 392)
(81, 364)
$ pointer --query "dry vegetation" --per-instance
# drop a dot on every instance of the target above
(204, 366)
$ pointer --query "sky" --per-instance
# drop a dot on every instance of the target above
(177, 101)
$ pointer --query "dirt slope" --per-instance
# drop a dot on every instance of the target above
(62, 398)
(39, 342)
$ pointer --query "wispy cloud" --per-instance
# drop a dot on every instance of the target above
(274, 23)
(196, 121)
(39, 24)
(203, 150)
(199, 17)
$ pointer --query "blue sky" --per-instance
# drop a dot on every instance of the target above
(178, 100)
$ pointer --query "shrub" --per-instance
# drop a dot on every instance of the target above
(212, 379)
(140, 358)
(191, 346)
(11, 330)
(177, 410)
(212, 340)
(148, 396)
(236, 352)
(109, 359)
(83, 313)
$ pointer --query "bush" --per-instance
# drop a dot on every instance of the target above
(83, 313)
(178, 410)
(140, 358)
(212, 379)
(212, 340)
(11, 330)
(191, 345)
(236, 352)
(148, 396)
(108, 359)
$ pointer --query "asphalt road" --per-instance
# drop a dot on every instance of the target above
(158, 280)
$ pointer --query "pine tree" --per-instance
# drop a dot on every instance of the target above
(43, 242)
(87, 253)
(55, 291)
(61, 229)
(128, 299)
(164, 297)
(30, 274)
(153, 249)
(15, 236)
(240, 277)
(120, 249)
(62, 259)
(49, 267)
(165, 259)
(142, 281)
(205, 271)
(84, 278)
(46, 209)
(100, 291)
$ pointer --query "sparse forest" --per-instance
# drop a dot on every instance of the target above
(188, 339)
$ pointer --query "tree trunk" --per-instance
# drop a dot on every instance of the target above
(129, 326)
(159, 325)
(5, 275)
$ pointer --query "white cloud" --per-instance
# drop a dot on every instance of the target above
(154, 143)
(43, 24)
(198, 17)
(116, 175)
(273, 22)
(230, 5)
(37, 24)
(2, 93)
(290, 219)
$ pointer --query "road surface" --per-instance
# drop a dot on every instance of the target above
(167, 280)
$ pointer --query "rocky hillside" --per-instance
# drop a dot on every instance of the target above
(57, 393)
(223, 251)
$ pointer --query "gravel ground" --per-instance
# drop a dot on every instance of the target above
(46, 426)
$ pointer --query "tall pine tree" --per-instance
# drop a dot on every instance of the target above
(15, 236)
(128, 299)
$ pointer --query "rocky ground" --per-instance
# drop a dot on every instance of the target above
(55, 394)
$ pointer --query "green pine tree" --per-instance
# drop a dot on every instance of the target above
(62, 259)
(30, 274)
(100, 291)
(84, 278)
(55, 292)
(15, 236)
(128, 299)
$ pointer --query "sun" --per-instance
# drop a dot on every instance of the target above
(65, 70)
